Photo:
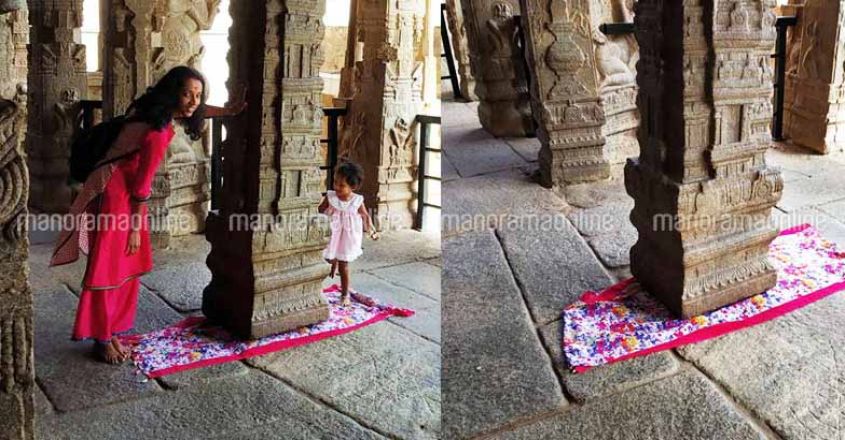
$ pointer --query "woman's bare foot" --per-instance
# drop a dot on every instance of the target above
(107, 353)
(344, 299)
(123, 350)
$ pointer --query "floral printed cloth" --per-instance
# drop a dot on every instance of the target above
(623, 321)
(192, 344)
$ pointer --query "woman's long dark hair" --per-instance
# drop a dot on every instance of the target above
(157, 105)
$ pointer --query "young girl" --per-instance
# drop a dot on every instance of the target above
(348, 217)
(116, 193)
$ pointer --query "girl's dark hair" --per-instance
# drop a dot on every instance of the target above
(157, 105)
(351, 172)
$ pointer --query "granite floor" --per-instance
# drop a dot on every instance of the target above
(382, 381)
(505, 281)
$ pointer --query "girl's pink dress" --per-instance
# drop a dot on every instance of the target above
(347, 228)
(109, 297)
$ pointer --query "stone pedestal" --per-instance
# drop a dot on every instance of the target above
(814, 103)
(56, 84)
(379, 130)
(17, 372)
(501, 79)
(564, 89)
(266, 278)
(460, 48)
(703, 193)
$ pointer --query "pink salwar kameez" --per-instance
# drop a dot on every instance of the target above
(109, 295)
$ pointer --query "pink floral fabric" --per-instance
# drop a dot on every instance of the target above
(623, 321)
(192, 343)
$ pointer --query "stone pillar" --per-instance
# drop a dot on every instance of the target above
(352, 56)
(460, 48)
(504, 108)
(703, 193)
(379, 130)
(56, 84)
(17, 372)
(266, 279)
(564, 91)
(616, 66)
(814, 103)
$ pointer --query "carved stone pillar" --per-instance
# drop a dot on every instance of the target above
(56, 84)
(616, 66)
(703, 193)
(379, 129)
(814, 103)
(352, 56)
(504, 108)
(17, 372)
(564, 89)
(460, 48)
(266, 279)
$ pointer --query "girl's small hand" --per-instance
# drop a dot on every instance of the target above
(134, 242)
(375, 235)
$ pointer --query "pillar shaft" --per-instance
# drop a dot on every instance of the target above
(267, 279)
(564, 89)
(814, 104)
(460, 48)
(379, 130)
(56, 84)
(504, 108)
(17, 372)
(703, 193)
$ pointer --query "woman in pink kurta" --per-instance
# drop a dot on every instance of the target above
(116, 193)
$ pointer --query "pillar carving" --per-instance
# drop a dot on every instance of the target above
(17, 373)
(267, 279)
(56, 83)
(460, 48)
(702, 190)
(379, 130)
(814, 103)
(565, 91)
(501, 85)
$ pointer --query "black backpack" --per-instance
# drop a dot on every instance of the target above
(89, 147)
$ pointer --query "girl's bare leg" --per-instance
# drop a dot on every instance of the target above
(334, 268)
(344, 283)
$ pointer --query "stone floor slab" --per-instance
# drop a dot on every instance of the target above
(426, 320)
(495, 368)
(528, 148)
(42, 277)
(813, 191)
(42, 404)
(834, 209)
(788, 370)
(222, 410)
(421, 277)
(613, 249)
(479, 202)
(448, 170)
(68, 373)
(383, 375)
(475, 155)
(553, 267)
(603, 219)
(396, 247)
(594, 194)
(607, 379)
(203, 376)
(180, 285)
(684, 406)
(830, 228)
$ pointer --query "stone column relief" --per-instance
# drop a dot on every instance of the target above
(460, 48)
(703, 193)
(501, 80)
(814, 103)
(616, 61)
(56, 84)
(379, 130)
(564, 89)
(17, 372)
(266, 279)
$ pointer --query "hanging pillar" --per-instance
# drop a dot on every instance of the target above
(814, 102)
(460, 48)
(703, 193)
(57, 82)
(387, 96)
(352, 55)
(17, 372)
(266, 278)
(564, 89)
(501, 86)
